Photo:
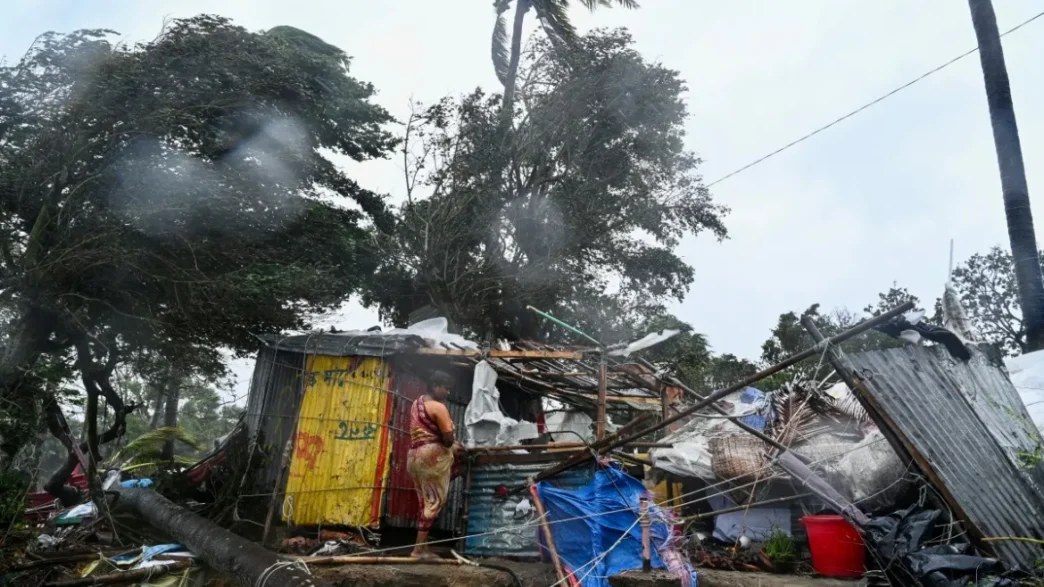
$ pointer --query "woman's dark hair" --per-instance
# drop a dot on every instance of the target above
(440, 379)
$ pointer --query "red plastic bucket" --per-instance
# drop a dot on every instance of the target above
(837, 548)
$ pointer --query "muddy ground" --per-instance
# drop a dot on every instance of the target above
(542, 575)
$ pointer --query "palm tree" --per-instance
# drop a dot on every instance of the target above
(554, 19)
(1012, 171)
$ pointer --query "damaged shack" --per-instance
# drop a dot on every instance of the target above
(328, 413)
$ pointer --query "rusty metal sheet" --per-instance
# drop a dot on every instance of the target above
(271, 411)
(345, 344)
(969, 432)
(493, 529)
(400, 503)
(342, 444)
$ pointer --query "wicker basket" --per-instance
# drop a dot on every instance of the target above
(740, 459)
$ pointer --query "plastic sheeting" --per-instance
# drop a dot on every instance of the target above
(436, 330)
(1027, 375)
(651, 339)
(690, 455)
(569, 425)
(754, 523)
(597, 534)
(900, 540)
(486, 424)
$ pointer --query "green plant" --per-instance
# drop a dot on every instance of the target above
(779, 547)
(146, 449)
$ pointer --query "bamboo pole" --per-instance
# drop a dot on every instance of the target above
(643, 512)
(569, 445)
(326, 561)
(739, 508)
(734, 419)
(600, 404)
(283, 466)
(557, 562)
(717, 395)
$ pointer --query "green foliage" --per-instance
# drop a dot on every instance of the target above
(173, 197)
(989, 294)
(779, 547)
(147, 447)
(14, 486)
(584, 218)
(790, 337)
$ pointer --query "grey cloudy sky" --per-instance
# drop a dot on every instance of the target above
(834, 220)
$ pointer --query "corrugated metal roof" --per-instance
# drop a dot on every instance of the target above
(342, 446)
(400, 502)
(344, 344)
(488, 512)
(966, 424)
(271, 412)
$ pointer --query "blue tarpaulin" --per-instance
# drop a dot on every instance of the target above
(596, 529)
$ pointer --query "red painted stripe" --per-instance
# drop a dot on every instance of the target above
(382, 456)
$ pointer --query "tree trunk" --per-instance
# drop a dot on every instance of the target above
(1012, 171)
(157, 408)
(521, 7)
(245, 562)
(170, 416)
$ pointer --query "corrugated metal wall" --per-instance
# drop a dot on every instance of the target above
(342, 445)
(400, 505)
(966, 423)
(488, 512)
(272, 405)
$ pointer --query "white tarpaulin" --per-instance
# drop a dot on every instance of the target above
(437, 330)
(569, 425)
(486, 423)
(1027, 375)
(690, 454)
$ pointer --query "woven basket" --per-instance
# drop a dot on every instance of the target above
(739, 459)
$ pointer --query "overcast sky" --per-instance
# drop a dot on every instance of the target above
(834, 220)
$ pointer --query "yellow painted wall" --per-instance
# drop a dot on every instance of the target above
(342, 447)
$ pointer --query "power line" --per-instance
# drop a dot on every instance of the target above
(867, 105)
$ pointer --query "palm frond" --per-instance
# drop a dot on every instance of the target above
(554, 19)
(795, 420)
(593, 4)
(500, 51)
(151, 443)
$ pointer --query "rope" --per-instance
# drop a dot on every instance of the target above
(262, 579)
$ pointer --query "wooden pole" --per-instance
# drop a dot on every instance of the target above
(569, 445)
(602, 387)
(643, 511)
(557, 562)
(276, 491)
(735, 420)
(326, 561)
(717, 395)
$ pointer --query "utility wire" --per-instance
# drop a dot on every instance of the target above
(866, 106)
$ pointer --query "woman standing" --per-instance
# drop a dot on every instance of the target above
(431, 460)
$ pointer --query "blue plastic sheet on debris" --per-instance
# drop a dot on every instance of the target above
(587, 525)
(753, 396)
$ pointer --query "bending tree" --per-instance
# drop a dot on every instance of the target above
(172, 197)
(584, 218)
(1012, 172)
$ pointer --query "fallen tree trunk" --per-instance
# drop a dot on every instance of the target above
(246, 562)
